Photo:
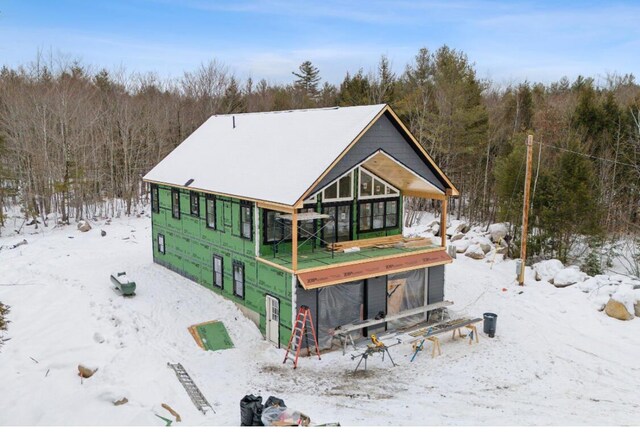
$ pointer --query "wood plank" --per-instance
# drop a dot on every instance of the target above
(350, 327)
(443, 223)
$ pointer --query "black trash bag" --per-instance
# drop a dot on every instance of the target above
(251, 411)
(274, 401)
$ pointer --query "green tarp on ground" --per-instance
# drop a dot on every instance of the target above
(213, 336)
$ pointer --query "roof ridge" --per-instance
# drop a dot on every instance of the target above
(310, 109)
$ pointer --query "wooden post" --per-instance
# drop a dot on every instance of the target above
(294, 240)
(525, 208)
(443, 222)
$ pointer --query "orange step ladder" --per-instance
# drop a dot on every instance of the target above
(304, 322)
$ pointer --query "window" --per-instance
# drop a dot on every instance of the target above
(338, 228)
(341, 189)
(366, 183)
(161, 243)
(276, 230)
(246, 220)
(364, 223)
(371, 186)
(175, 203)
(218, 272)
(377, 214)
(238, 279)
(306, 228)
(273, 231)
(391, 214)
(155, 199)
(210, 205)
(195, 203)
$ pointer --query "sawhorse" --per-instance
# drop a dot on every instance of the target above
(473, 332)
(418, 347)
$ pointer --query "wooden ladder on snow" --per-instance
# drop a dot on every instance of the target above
(304, 322)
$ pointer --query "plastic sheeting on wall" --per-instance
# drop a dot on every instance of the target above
(338, 305)
(405, 291)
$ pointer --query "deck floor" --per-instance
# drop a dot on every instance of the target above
(322, 258)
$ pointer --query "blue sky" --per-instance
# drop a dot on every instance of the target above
(508, 41)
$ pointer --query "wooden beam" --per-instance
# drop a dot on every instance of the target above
(443, 222)
(294, 240)
(264, 204)
(426, 195)
(276, 207)
(276, 265)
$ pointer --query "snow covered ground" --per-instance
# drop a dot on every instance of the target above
(554, 361)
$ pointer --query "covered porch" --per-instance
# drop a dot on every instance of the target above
(326, 255)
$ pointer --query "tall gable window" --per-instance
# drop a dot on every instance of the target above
(175, 203)
(195, 203)
(378, 203)
(155, 199)
(371, 186)
(339, 190)
(210, 205)
(246, 220)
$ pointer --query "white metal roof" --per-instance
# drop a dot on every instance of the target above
(269, 156)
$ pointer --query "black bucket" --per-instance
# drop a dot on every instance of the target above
(489, 326)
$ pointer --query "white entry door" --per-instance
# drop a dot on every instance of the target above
(273, 320)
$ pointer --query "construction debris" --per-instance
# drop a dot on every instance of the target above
(172, 412)
(86, 372)
(396, 241)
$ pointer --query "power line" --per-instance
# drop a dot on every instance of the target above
(588, 155)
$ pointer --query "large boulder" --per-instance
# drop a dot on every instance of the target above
(457, 237)
(497, 231)
(484, 243)
(627, 296)
(475, 252)
(569, 276)
(461, 245)
(457, 227)
(545, 270)
(84, 226)
(617, 310)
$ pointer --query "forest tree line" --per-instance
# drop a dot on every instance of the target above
(73, 138)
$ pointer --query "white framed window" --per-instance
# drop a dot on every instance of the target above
(339, 190)
(370, 186)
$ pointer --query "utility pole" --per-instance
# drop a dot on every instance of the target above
(525, 208)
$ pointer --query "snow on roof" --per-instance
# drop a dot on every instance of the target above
(271, 156)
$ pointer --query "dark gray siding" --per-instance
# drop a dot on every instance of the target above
(376, 300)
(310, 299)
(376, 296)
(386, 136)
(436, 285)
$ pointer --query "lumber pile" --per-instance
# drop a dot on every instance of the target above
(381, 242)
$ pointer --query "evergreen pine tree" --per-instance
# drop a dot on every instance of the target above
(308, 79)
